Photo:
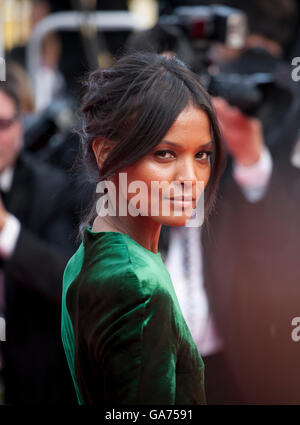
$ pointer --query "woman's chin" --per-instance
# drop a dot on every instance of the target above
(173, 220)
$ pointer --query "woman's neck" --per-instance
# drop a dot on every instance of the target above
(143, 230)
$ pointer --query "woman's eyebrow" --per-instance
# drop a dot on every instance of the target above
(205, 145)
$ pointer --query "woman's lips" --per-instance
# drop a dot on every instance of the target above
(187, 201)
(182, 198)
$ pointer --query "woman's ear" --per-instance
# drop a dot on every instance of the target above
(101, 148)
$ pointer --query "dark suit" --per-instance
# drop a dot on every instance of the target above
(35, 367)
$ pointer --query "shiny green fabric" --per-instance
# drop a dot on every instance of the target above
(123, 332)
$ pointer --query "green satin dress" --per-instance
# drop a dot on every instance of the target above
(123, 332)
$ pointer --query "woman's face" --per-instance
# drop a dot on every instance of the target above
(182, 156)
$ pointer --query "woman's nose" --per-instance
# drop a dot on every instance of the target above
(185, 173)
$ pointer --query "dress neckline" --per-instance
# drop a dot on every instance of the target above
(89, 230)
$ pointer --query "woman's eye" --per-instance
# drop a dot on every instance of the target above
(164, 154)
(204, 155)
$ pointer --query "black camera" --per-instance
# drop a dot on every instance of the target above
(247, 92)
(254, 94)
(200, 26)
(216, 22)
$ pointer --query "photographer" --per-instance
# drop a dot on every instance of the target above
(254, 291)
(34, 248)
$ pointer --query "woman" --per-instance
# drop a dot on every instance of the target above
(147, 119)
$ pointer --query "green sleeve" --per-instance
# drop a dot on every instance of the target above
(132, 342)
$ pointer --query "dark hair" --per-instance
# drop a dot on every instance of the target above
(134, 104)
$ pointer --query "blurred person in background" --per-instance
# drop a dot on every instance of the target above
(254, 289)
(34, 247)
(61, 63)
(24, 88)
(49, 80)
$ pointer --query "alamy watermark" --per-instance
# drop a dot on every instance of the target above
(296, 70)
(2, 69)
(2, 329)
(166, 199)
(295, 334)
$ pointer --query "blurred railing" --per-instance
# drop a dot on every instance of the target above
(70, 21)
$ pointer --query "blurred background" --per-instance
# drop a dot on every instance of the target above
(57, 42)
(244, 53)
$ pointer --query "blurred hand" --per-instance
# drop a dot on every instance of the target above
(3, 215)
(242, 135)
